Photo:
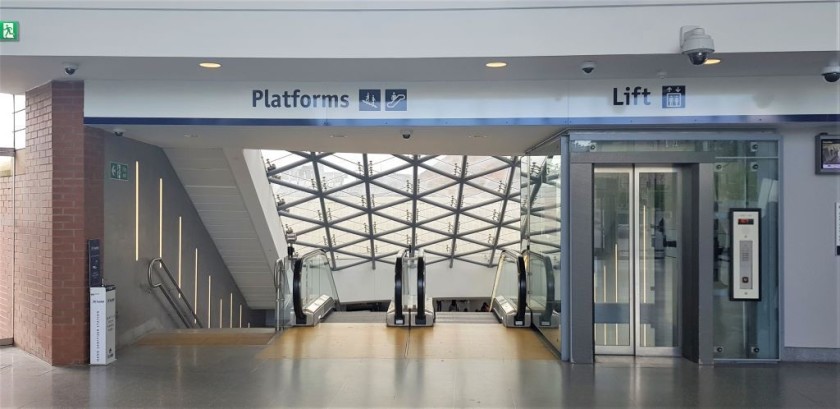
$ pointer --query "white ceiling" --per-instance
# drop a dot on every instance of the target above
(209, 181)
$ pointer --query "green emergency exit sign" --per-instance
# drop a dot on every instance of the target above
(119, 171)
(9, 31)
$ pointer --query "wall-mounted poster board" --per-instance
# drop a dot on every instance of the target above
(827, 154)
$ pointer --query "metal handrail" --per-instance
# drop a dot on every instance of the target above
(184, 319)
(279, 269)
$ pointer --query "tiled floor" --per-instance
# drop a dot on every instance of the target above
(475, 376)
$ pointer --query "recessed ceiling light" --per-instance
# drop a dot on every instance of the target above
(712, 61)
(496, 64)
(190, 136)
(209, 65)
(478, 136)
(337, 136)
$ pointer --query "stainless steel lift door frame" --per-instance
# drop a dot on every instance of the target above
(697, 334)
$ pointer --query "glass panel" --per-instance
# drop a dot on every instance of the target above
(347, 161)
(20, 139)
(317, 278)
(6, 121)
(507, 282)
(660, 259)
(612, 251)
(747, 330)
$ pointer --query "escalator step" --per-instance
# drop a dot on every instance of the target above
(465, 318)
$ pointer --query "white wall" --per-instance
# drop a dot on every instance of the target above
(296, 30)
(811, 270)
(463, 280)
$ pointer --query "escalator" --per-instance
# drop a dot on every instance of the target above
(525, 291)
(314, 294)
(542, 290)
(510, 291)
(410, 307)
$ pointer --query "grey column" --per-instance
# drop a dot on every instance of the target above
(698, 263)
(565, 246)
(705, 260)
(581, 342)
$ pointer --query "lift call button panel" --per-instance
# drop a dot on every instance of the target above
(745, 284)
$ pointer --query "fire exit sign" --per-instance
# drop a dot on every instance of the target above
(119, 171)
(9, 31)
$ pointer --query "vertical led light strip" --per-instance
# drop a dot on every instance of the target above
(136, 210)
(221, 308)
(240, 315)
(195, 281)
(230, 323)
(160, 219)
(209, 299)
(180, 255)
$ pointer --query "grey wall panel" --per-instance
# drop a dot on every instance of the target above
(811, 269)
(581, 348)
(140, 310)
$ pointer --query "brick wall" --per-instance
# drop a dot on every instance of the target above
(59, 206)
(33, 242)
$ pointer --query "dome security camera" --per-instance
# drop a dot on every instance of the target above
(70, 68)
(696, 44)
(406, 133)
(119, 132)
(831, 73)
(587, 67)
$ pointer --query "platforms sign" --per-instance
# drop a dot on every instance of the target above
(10, 31)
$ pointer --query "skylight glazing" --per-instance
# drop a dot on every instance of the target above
(368, 208)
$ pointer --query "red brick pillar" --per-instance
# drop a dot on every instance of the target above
(59, 206)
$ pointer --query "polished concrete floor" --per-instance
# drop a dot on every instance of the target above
(450, 365)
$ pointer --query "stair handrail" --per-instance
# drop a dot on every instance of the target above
(159, 285)
(279, 269)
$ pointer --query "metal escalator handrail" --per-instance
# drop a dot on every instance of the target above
(421, 290)
(159, 285)
(398, 288)
(300, 318)
(521, 302)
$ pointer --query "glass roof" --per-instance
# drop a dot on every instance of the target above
(368, 208)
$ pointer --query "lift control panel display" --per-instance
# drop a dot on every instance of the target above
(746, 269)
